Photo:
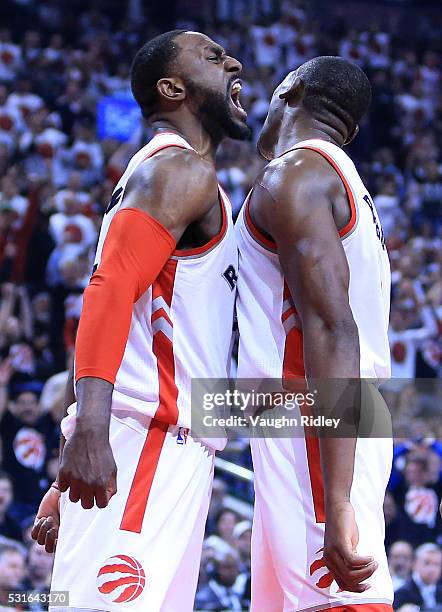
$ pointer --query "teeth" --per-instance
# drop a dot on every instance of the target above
(236, 88)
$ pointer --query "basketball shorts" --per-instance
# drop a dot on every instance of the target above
(142, 552)
(288, 572)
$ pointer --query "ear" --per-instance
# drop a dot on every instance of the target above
(172, 89)
(295, 90)
(352, 135)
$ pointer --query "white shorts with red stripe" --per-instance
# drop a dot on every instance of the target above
(288, 573)
(141, 552)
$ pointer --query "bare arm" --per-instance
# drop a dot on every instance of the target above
(25, 312)
(6, 371)
(7, 303)
(316, 270)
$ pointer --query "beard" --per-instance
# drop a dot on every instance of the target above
(217, 118)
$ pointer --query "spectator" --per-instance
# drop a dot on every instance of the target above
(423, 589)
(400, 563)
(225, 589)
(12, 567)
(242, 535)
(29, 440)
(217, 501)
(392, 523)
(39, 569)
(419, 502)
(225, 524)
(9, 527)
(405, 340)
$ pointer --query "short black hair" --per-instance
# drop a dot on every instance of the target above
(150, 64)
(335, 86)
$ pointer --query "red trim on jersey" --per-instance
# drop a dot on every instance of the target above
(161, 313)
(163, 146)
(288, 313)
(293, 368)
(162, 346)
(213, 241)
(353, 216)
(315, 473)
(256, 233)
(293, 361)
(138, 497)
(371, 607)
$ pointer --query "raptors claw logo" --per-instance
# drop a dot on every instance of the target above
(121, 579)
(325, 580)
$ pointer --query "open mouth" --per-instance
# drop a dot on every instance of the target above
(235, 91)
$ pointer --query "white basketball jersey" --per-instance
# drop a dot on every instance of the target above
(271, 342)
(182, 325)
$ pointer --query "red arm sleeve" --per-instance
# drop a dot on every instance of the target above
(134, 252)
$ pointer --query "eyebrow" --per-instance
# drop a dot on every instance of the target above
(215, 49)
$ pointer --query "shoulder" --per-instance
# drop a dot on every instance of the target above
(176, 186)
(174, 168)
(299, 172)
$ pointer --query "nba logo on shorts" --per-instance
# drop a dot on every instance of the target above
(182, 435)
(121, 579)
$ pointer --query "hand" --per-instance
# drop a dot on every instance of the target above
(47, 521)
(341, 539)
(88, 469)
(22, 292)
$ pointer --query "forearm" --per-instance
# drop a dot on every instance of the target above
(3, 399)
(331, 351)
(7, 304)
(94, 399)
(69, 399)
(25, 314)
(333, 367)
(135, 251)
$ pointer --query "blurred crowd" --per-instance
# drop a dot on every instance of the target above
(57, 60)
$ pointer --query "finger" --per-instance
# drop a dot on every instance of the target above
(36, 528)
(349, 557)
(353, 588)
(358, 576)
(351, 581)
(353, 560)
(111, 489)
(51, 537)
(355, 578)
(74, 491)
(87, 497)
(101, 497)
(44, 528)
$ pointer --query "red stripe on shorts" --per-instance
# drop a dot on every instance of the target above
(138, 497)
(371, 607)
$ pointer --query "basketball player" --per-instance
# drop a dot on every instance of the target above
(158, 312)
(313, 301)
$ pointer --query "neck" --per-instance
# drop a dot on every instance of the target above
(295, 129)
(191, 130)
